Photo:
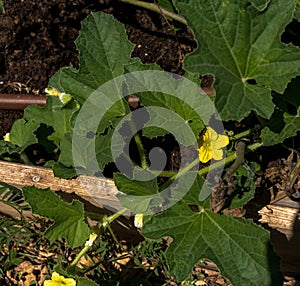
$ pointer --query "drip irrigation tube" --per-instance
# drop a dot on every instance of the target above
(20, 101)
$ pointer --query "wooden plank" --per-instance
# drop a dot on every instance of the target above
(100, 192)
(280, 217)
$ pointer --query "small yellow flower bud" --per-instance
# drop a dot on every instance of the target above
(138, 220)
(6, 137)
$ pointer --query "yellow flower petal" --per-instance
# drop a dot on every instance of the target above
(221, 142)
(212, 134)
(50, 283)
(217, 154)
(211, 145)
(138, 220)
(59, 280)
(69, 282)
(205, 154)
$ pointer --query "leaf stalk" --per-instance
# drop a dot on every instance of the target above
(158, 9)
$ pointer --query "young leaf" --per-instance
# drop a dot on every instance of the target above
(104, 49)
(285, 122)
(245, 189)
(53, 114)
(68, 218)
(291, 126)
(22, 133)
(241, 47)
(239, 247)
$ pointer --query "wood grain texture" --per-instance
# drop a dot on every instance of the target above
(100, 192)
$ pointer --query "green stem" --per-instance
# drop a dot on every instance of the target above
(156, 8)
(242, 134)
(213, 166)
(110, 219)
(140, 148)
(81, 253)
(25, 158)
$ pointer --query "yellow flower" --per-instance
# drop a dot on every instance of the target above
(211, 145)
(6, 137)
(138, 220)
(59, 280)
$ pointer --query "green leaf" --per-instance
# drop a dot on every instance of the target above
(84, 281)
(198, 192)
(62, 171)
(68, 218)
(187, 105)
(53, 114)
(291, 126)
(241, 47)
(260, 5)
(240, 248)
(297, 10)
(285, 121)
(137, 194)
(22, 133)
(8, 148)
(83, 149)
(104, 50)
(245, 188)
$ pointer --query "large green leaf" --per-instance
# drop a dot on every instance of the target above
(188, 106)
(241, 46)
(240, 248)
(104, 49)
(68, 218)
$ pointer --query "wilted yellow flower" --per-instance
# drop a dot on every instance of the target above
(211, 145)
(52, 91)
(6, 137)
(59, 280)
(91, 240)
(138, 220)
(63, 97)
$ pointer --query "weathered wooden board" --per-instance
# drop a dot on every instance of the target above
(283, 216)
(100, 192)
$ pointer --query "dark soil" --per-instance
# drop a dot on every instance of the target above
(37, 38)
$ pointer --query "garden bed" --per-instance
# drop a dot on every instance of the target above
(37, 38)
